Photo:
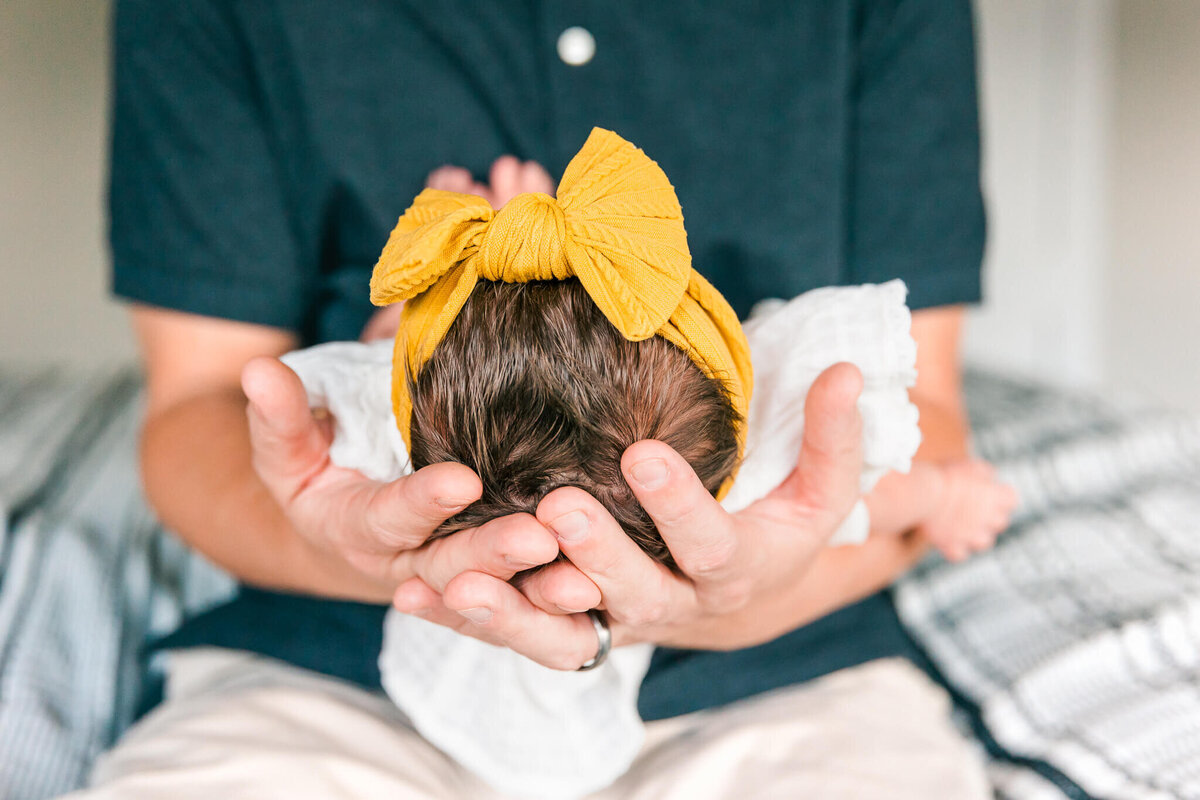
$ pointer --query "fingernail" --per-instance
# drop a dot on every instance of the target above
(571, 527)
(480, 616)
(452, 503)
(566, 610)
(651, 473)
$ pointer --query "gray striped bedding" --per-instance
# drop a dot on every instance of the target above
(1076, 641)
(86, 576)
(1078, 637)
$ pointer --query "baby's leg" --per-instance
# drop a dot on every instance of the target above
(902, 501)
(958, 506)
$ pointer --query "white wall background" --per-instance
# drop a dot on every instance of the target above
(1091, 113)
(1045, 102)
(1151, 332)
(53, 106)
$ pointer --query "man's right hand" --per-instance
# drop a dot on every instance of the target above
(379, 529)
(263, 501)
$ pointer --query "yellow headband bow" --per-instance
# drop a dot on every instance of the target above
(616, 226)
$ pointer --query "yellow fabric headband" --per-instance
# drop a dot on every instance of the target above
(616, 226)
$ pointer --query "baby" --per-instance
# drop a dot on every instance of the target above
(535, 345)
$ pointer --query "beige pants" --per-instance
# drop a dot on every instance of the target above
(240, 726)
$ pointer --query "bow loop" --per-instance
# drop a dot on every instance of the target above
(438, 231)
(627, 243)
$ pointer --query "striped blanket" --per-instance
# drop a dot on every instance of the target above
(1073, 646)
(86, 575)
(1077, 639)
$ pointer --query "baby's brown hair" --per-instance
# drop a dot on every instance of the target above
(533, 388)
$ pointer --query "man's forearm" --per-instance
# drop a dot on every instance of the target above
(197, 471)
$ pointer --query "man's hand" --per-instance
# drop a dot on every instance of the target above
(377, 528)
(736, 569)
(303, 525)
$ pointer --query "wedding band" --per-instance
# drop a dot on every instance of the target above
(604, 635)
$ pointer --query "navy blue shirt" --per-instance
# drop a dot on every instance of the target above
(261, 153)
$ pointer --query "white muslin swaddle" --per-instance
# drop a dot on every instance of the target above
(542, 733)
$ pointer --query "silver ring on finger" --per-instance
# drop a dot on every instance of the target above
(603, 636)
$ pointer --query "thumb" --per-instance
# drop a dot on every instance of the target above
(826, 476)
(289, 446)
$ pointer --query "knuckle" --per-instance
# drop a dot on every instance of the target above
(733, 595)
(712, 559)
(568, 660)
(509, 533)
(415, 496)
(433, 560)
(684, 508)
(647, 613)
(380, 523)
(678, 516)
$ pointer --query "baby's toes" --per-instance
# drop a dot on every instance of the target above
(955, 551)
(984, 539)
(450, 179)
(535, 179)
(1009, 497)
(505, 178)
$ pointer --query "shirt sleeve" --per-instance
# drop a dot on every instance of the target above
(199, 214)
(916, 209)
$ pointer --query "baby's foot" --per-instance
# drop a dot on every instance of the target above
(974, 509)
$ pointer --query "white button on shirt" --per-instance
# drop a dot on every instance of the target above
(576, 46)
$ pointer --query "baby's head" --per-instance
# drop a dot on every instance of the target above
(539, 341)
(533, 388)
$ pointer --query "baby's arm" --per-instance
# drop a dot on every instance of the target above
(958, 506)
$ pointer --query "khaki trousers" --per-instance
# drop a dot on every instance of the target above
(239, 726)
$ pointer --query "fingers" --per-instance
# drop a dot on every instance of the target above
(698, 532)
(457, 179)
(956, 552)
(827, 472)
(402, 514)
(560, 588)
(382, 324)
(502, 615)
(415, 597)
(1009, 499)
(636, 589)
(507, 178)
(289, 446)
(534, 178)
(500, 548)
